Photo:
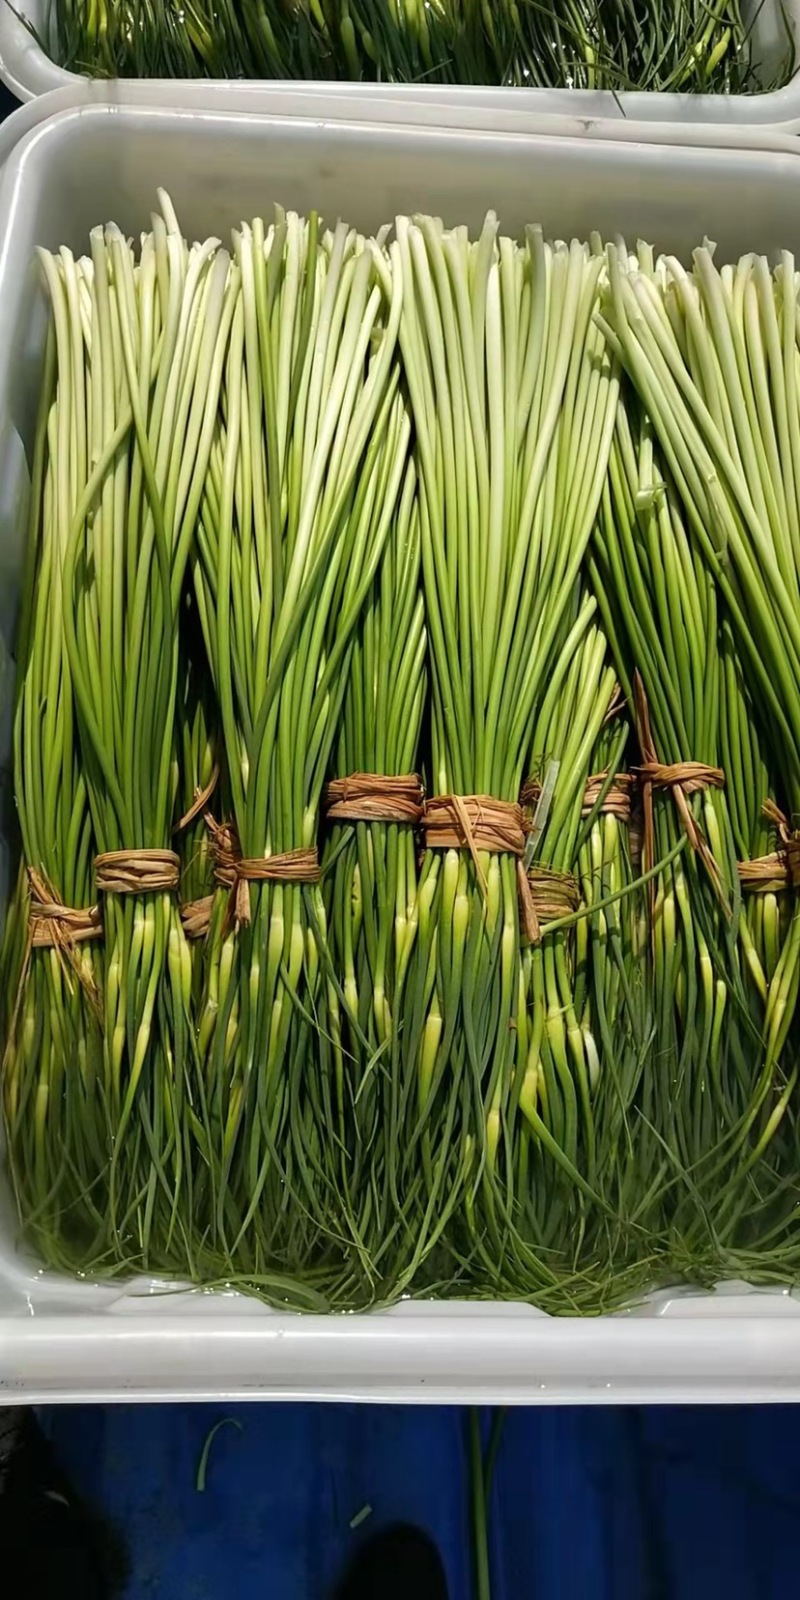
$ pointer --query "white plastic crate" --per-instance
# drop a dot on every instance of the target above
(93, 162)
(28, 71)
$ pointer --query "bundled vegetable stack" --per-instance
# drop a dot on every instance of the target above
(304, 483)
(509, 385)
(684, 47)
(407, 753)
(54, 1085)
(713, 356)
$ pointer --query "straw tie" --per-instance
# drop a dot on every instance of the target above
(478, 822)
(554, 895)
(137, 871)
(196, 914)
(683, 778)
(616, 801)
(54, 925)
(688, 776)
(780, 869)
(199, 803)
(375, 797)
(236, 872)
(196, 917)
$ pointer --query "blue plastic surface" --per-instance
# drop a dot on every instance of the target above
(599, 1504)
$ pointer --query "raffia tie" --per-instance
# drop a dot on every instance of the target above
(199, 803)
(236, 872)
(137, 871)
(554, 895)
(196, 917)
(375, 797)
(616, 801)
(688, 776)
(54, 925)
(476, 822)
(196, 914)
(781, 869)
(683, 778)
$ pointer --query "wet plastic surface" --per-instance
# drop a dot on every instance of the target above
(28, 71)
(64, 1340)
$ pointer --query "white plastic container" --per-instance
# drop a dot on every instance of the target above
(28, 71)
(61, 1339)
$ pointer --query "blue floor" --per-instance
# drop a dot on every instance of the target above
(602, 1504)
